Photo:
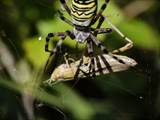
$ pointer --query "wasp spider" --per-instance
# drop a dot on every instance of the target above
(84, 14)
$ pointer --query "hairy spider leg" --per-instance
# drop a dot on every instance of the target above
(99, 44)
(63, 2)
(103, 48)
(98, 15)
(64, 18)
(90, 54)
(102, 30)
(53, 52)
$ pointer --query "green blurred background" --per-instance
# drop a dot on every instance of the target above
(128, 95)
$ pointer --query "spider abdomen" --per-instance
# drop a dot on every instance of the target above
(83, 11)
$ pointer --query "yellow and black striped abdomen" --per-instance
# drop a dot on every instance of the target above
(83, 10)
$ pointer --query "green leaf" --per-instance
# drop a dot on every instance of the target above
(141, 33)
(34, 49)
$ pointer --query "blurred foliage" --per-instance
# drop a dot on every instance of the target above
(129, 95)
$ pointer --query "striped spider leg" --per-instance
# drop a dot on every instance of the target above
(53, 52)
(63, 2)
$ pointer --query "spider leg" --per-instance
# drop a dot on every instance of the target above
(51, 35)
(90, 53)
(63, 2)
(102, 30)
(64, 19)
(78, 70)
(76, 76)
(101, 20)
(103, 48)
(127, 46)
(53, 52)
(99, 30)
(103, 7)
(99, 44)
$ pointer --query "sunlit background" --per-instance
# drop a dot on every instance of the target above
(128, 95)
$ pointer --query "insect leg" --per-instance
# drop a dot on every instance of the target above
(68, 59)
(129, 44)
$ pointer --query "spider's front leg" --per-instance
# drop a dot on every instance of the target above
(53, 51)
(98, 15)
(64, 18)
(62, 36)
